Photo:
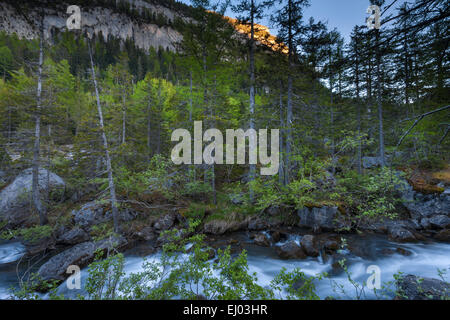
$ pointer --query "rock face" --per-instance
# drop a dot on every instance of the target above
(411, 287)
(290, 250)
(15, 198)
(423, 206)
(95, 19)
(81, 255)
(324, 218)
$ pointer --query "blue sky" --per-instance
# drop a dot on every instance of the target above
(340, 14)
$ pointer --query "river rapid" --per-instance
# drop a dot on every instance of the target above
(425, 259)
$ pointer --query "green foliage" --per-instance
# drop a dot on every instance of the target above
(32, 234)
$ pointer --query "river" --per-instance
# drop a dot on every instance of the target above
(425, 260)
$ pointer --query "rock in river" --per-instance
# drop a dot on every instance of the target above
(290, 250)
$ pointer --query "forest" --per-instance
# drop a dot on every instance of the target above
(86, 123)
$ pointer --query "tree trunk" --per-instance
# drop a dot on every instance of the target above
(380, 106)
(252, 85)
(112, 189)
(37, 137)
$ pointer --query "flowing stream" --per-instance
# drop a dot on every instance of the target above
(424, 260)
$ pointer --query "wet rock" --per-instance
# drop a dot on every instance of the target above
(443, 235)
(74, 236)
(439, 222)
(411, 287)
(165, 222)
(391, 251)
(331, 246)
(309, 245)
(290, 250)
(81, 255)
(400, 234)
(262, 240)
(403, 252)
(337, 267)
(16, 197)
(277, 236)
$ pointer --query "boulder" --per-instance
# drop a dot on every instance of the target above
(277, 236)
(15, 198)
(443, 235)
(262, 240)
(73, 236)
(439, 222)
(257, 224)
(309, 246)
(411, 287)
(165, 222)
(401, 234)
(290, 250)
(324, 218)
(90, 214)
(81, 255)
(371, 162)
(218, 227)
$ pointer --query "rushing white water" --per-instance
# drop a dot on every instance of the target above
(10, 252)
(425, 260)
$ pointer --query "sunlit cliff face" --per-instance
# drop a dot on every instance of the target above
(262, 35)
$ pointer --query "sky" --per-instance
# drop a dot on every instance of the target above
(340, 14)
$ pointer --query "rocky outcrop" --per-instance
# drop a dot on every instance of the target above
(411, 287)
(324, 218)
(290, 250)
(98, 19)
(80, 255)
(15, 198)
(422, 206)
